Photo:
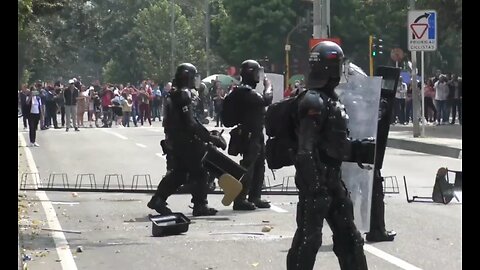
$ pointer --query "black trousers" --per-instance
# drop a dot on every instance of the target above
(377, 212)
(335, 206)
(184, 164)
(62, 115)
(254, 161)
(51, 114)
(456, 104)
(33, 119)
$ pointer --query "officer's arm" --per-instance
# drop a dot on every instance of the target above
(312, 113)
(185, 103)
(267, 92)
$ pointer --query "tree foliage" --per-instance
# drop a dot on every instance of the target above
(130, 40)
(255, 29)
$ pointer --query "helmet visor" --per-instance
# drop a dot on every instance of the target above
(197, 81)
(259, 75)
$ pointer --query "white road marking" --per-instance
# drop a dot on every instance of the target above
(155, 130)
(160, 155)
(63, 250)
(389, 258)
(141, 145)
(277, 209)
(66, 203)
(114, 133)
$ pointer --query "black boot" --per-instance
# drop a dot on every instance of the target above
(379, 236)
(203, 210)
(259, 203)
(243, 205)
(159, 205)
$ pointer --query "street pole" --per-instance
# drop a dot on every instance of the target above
(287, 63)
(422, 60)
(287, 52)
(172, 37)
(321, 18)
(370, 43)
(415, 91)
(207, 36)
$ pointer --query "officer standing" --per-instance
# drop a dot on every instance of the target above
(246, 108)
(323, 142)
(185, 145)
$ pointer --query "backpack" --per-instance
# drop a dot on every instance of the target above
(229, 113)
(281, 144)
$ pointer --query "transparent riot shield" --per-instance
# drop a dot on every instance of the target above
(361, 96)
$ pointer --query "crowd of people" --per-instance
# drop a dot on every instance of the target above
(75, 105)
(442, 98)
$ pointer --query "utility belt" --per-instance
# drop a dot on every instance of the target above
(240, 137)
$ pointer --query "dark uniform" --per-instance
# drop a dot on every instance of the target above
(323, 142)
(185, 145)
(247, 107)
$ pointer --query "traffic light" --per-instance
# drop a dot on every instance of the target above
(295, 66)
(377, 46)
(310, 16)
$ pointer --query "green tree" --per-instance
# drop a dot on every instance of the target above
(154, 41)
(255, 29)
(31, 44)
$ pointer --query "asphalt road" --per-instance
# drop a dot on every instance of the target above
(113, 231)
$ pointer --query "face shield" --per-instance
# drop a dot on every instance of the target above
(259, 75)
(197, 81)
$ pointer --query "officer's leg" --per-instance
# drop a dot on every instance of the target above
(249, 157)
(199, 179)
(378, 232)
(199, 193)
(175, 177)
(311, 210)
(347, 240)
(257, 181)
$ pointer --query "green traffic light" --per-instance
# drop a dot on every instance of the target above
(374, 54)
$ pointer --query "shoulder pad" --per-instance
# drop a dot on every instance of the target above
(182, 97)
(311, 103)
(244, 87)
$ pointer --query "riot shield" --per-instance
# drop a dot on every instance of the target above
(276, 81)
(361, 96)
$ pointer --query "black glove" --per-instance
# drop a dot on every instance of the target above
(217, 139)
(363, 151)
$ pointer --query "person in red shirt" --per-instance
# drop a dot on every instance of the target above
(429, 106)
(287, 91)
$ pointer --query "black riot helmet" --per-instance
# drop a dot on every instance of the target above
(251, 72)
(202, 90)
(185, 76)
(326, 61)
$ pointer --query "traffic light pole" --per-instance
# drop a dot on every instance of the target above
(416, 102)
(287, 53)
(370, 46)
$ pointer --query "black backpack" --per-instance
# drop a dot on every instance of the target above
(280, 126)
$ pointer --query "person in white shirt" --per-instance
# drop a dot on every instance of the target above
(34, 103)
(400, 96)
(441, 99)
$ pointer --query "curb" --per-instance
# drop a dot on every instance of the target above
(427, 148)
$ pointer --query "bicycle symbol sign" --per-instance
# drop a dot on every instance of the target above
(422, 30)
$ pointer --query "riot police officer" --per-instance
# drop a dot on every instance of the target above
(323, 142)
(245, 107)
(185, 144)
